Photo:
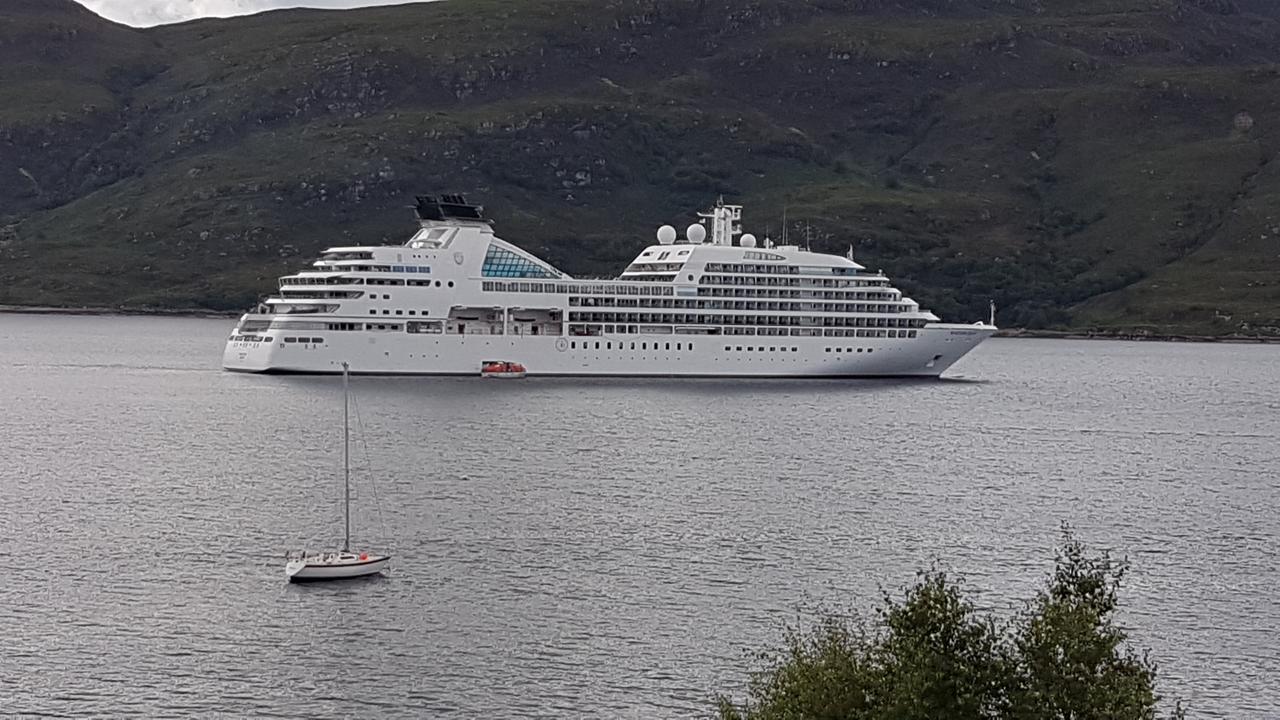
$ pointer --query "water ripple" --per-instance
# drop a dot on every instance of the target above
(586, 548)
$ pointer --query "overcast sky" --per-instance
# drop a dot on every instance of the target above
(155, 12)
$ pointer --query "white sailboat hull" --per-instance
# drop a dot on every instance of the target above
(318, 569)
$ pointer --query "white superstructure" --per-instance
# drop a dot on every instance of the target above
(711, 304)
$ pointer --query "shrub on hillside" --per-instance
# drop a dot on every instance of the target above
(933, 654)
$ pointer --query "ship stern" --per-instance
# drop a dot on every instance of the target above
(248, 351)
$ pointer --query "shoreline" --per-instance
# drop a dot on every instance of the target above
(119, 312)
(1013, 333)
(1131, 336)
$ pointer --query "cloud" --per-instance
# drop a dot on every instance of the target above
(143, 13)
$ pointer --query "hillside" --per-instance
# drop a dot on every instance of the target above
(1086, 163)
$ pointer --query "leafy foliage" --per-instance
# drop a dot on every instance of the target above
(932, 654)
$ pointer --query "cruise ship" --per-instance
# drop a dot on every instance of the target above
(713, 303)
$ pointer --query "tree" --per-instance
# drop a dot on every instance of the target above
(932, 654)
(1073, 663)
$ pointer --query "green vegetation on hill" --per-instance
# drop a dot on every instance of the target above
(933, 654)
(1085, 163)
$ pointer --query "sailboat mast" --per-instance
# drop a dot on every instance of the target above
(346, 466)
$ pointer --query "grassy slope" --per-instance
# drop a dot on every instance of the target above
(1075, 160)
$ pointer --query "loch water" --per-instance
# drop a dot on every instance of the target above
(597, 548)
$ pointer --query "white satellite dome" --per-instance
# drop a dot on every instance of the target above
(747, 240)
(696, 233)
(666, 235)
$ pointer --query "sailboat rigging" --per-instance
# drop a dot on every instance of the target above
(307, 567)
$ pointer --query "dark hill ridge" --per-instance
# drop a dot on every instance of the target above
(1083, 162)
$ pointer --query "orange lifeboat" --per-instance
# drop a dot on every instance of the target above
(502, 369)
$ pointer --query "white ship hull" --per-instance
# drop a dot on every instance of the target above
(456, 296)
(934, 350)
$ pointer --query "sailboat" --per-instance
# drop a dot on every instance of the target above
(308, 567)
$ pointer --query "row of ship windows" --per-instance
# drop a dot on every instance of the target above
(323, 266)
(607, 345)
(737, 292)
(591, 330)
(783, 295)
(777, 320)
(783, 305)
(269, 338)
(361, 281)
(397, 312)
(786, 282)
(339, 327)
(437, 327)
(410, 283)
(321, 294)
(432, 327)
(810, 297)
(651, 267)
(564, 289)
(662, 255)
(320, 281)
(780, 269)
(621, 346)
(762, 348)
(651, 276)
(824, 332)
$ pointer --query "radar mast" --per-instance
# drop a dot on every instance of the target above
(726, 222)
